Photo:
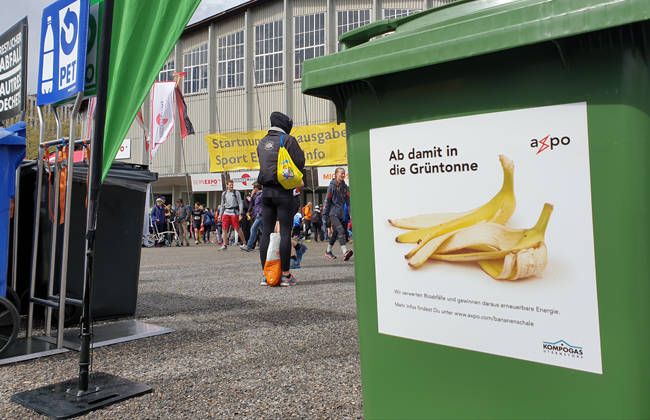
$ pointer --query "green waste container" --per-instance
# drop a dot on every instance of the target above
(462, 125)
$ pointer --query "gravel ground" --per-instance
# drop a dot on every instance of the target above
(239, 350)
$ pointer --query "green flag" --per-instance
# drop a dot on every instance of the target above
(144, 34)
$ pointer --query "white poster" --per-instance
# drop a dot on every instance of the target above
(162, 114)
(484, 237)
(206, 182)
(244, 180)
(125, 150)
(326, 175)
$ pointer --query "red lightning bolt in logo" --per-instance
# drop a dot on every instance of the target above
(543, 145)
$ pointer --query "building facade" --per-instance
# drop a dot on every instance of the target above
(243, 64)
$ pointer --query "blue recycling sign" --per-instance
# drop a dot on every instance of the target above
(62, 60)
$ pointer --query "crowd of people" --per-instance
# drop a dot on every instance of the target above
(248, 221)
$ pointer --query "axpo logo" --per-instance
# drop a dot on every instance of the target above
(549, 142)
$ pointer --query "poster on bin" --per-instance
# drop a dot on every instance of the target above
(13, 70)
(488, 246)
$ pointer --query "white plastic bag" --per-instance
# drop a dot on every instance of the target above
(273, 265)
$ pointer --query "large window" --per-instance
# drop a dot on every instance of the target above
(230, 61)
(310, 39)
(348, 20)
(398, 13)
(167, 72)
(268, 53)
(195, 63)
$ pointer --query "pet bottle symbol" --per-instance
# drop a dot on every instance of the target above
(48, 59)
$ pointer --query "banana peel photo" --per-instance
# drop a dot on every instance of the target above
(480, 236)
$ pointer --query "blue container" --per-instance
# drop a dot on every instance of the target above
(12, 152)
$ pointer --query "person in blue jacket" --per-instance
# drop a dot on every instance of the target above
(158, 216)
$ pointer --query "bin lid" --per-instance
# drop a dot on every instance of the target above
(459, 30)
(14, 135)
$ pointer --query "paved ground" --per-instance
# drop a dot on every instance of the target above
(239, 350)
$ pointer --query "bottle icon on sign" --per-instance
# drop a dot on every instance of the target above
(48, 59)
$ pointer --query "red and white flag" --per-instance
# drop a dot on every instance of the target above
(162, 114)
(91, 112)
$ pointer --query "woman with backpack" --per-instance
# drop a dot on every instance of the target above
(277, 202)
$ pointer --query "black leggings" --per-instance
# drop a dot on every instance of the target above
(337, 231)
(281, 209)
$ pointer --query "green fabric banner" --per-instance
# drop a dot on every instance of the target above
(144, 34)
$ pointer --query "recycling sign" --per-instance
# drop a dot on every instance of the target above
(64, 35)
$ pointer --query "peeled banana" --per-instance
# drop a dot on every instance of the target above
(497, 210)
(503, 253)
(479, 235)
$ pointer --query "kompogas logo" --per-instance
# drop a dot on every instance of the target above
(549, 142)
(562, 348)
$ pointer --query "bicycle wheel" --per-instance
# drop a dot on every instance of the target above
(9, 323)
(148, 240)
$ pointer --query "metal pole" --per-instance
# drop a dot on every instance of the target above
(311, 170)
(218, 125)
(313, 187)
(66, 218)
(259, 109)
(187, 175)
(55, 226)
(95, 179)
(37, 221)
(14, 266)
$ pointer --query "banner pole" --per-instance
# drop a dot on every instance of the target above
(94, 183)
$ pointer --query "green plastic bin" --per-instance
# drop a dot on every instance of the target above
(560, 89)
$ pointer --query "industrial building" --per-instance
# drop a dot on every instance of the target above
(242, 64)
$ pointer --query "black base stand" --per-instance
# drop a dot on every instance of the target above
(60, 401)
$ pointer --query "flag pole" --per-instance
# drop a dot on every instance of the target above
(95, 179)
(177, 78)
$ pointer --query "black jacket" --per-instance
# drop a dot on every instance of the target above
(267, 153)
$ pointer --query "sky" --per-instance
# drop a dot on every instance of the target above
(33, 9)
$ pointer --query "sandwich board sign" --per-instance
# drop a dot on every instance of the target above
(13, 70)
(62, 60)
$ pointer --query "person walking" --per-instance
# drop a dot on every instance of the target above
(231, 211)
(277, 202)
(337, 204)
(317, 223)
(158, 217)
(220, 240)
(255, 211)
(245, 222)
(307, 213)
(183, 215)
(197, 221)
(207, 225)
(297, 225)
